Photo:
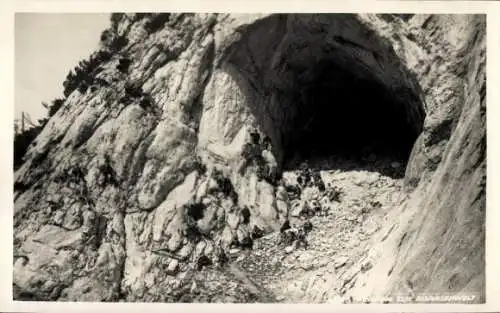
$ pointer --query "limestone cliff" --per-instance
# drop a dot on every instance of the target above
(138, 179)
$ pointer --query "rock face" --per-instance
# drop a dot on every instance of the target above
(447, 168)
(129, 200)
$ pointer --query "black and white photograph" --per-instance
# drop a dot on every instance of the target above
(198, 157)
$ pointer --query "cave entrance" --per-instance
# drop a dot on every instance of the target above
(322, 85)
(348, 116)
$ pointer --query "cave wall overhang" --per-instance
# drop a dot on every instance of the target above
(278, 63)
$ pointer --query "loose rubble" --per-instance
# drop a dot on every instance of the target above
(318, 245)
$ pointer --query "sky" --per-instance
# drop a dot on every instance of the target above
(47, 47)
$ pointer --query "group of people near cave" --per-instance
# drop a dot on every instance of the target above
(258, 153)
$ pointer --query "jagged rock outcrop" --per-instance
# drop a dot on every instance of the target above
(135, 184)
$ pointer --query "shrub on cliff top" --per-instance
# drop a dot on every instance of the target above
(55, 106)
(115, 20)
(112, 42)
(84, 73)
(157, 22)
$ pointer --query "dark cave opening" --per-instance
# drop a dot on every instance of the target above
(350, 116)
(327, 87)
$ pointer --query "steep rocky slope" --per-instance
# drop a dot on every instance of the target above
(134, 190)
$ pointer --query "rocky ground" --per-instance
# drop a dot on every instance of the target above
(340, 237)
(130, 228)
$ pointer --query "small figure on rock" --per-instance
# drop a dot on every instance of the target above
(308, 226)
(299, 207)
(315, 206)
(191, 230)
(285, 226)
(333, 194)
(305, 176)
(318, 181)
(245, 215)
(222, 258)
(246, 243)
(282, 200)
(251, 152)
(301, 238)
(257, 232)
(271, 165)
(293, 192)
(287, 237)
(295, 237)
